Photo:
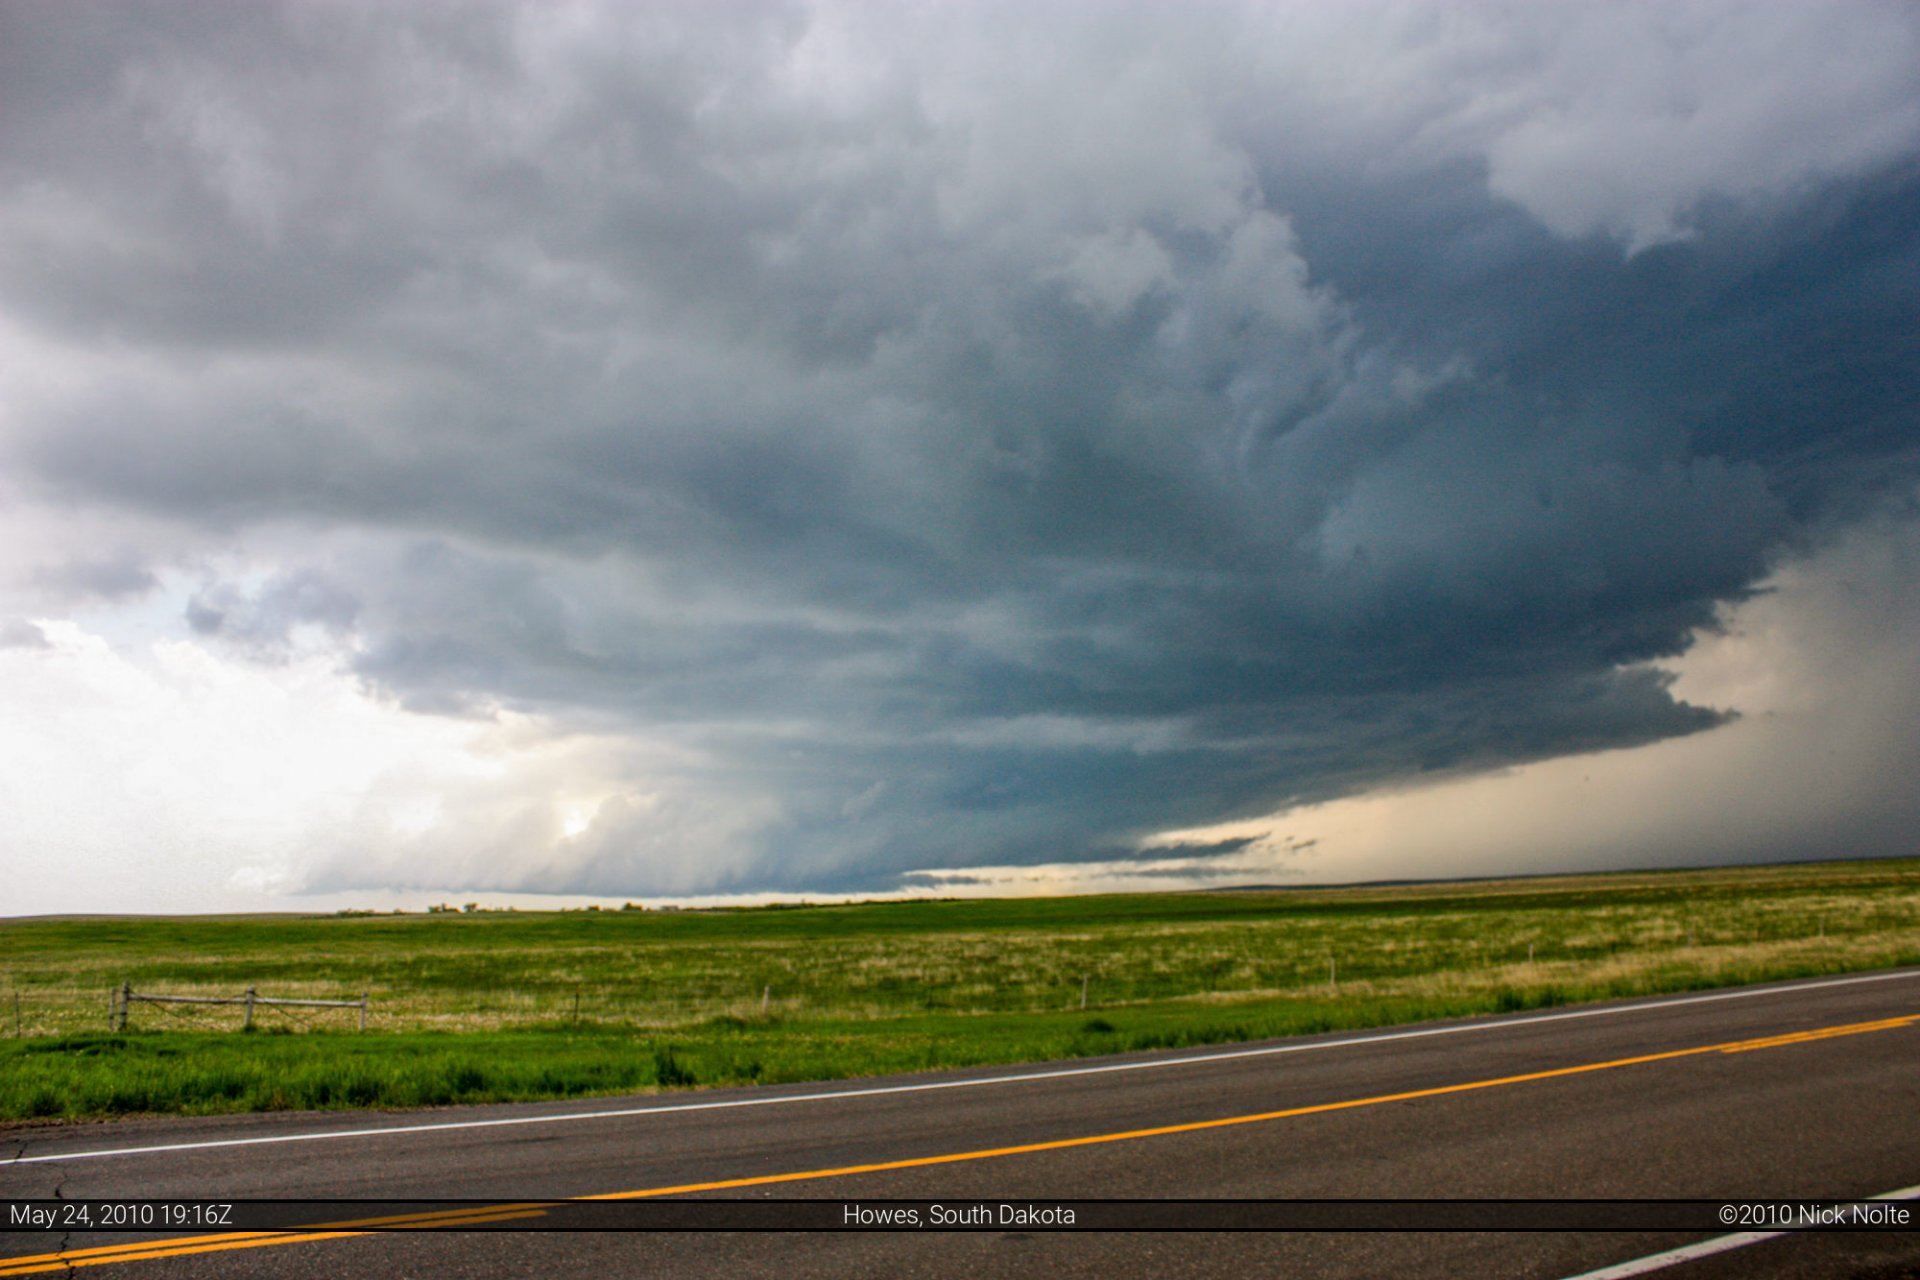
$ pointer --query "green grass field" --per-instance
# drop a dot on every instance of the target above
(492, 1006)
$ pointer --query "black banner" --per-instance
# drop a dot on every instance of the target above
(213, 1216)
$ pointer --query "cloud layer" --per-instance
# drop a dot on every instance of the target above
(888, 440)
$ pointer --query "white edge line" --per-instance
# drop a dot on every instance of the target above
(1719, 1244)
(974, 1082)
(1674, 1257)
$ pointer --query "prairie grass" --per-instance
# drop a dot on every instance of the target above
(494, 1006)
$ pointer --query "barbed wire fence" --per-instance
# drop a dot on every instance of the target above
(124, 997)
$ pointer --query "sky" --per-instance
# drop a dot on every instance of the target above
(550, 453)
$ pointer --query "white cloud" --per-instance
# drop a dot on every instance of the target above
(1597, 118)
(1638, 112)
(1112, 271)
(173, 778)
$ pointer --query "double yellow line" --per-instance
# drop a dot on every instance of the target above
(483, 1214)
(176, 1246)
(1823, 1033)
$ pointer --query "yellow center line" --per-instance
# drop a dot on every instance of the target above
(445, 1217)
(176, 1247)
(154, 1244)
(157, 1249)
(1196, 1126)
(1824, 1033)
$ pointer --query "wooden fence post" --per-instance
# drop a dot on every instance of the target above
(363, 1009)
(248, 1025)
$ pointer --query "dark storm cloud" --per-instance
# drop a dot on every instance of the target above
(18, 633)
(110, 578)
(264, 621)
(966, 473)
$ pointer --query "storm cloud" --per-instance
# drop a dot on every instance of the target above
(912, 439)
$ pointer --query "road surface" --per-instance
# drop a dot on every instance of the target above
(1798, 1091)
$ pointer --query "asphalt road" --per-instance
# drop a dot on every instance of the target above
(1794, 1092)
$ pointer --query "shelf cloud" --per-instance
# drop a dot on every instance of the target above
(812, 447)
